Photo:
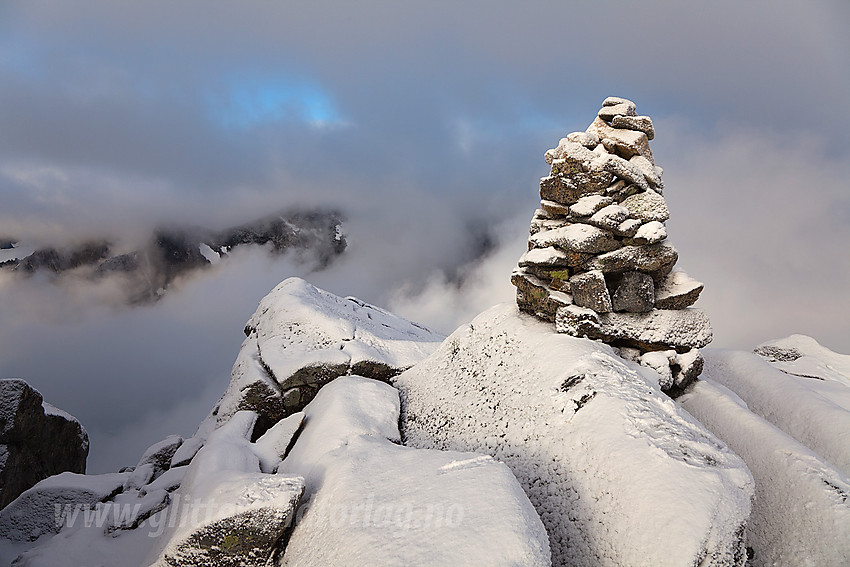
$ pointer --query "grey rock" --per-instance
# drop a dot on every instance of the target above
(543, 221)
(549, 257)
(610, 217)
(36, 440)
(660, 361)
(555, 209)
(677, 291)
(576, 238)
(687, 367)
(658, 329)
(34, 513)
(586, 206)
(160, 454)
(608, 113)
(586, 139)
(536, 297)
(625, 143)
(615, 100)
(639, 123)
(562, 189)
(652, 258)
(187, 451)
(649, 172)
(647, 206)
(648, 233)
(621, 168)
(635, 293)
(589, 290)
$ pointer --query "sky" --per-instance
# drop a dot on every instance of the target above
(425, 124)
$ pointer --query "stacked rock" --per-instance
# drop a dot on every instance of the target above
(598, 264)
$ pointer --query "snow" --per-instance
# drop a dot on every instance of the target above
(795, 405)
(299, 325)
(18, 252)
(373, 502)
(618, 472)
(211, 255)
(549, 256)
(652, 232)
(801, 513)
(271, 446)
(33, 513)
(589, 205)
(576, 237)
(815, 360)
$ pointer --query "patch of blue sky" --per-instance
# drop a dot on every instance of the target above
(247, 103)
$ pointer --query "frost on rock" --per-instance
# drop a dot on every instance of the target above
(602, 229)
(301, 338)
(370, 501)
(618, 472)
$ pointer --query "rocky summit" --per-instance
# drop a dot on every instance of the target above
(599, 264)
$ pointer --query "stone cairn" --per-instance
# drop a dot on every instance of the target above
(598, 264)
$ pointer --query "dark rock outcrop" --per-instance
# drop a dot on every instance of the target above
(36, 440)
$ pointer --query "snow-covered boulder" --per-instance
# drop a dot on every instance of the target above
(301, 337)
(159, 455)
(801, 513)
(233, 514)
(56, 501)
(37, 440)
(370, 501)
(618, 472)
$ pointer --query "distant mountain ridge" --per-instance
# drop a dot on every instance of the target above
(315, 236)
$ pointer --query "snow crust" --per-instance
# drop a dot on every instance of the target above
(298, 325)
(795, 405)
(373, 502)
(801, 513)
(618, 472)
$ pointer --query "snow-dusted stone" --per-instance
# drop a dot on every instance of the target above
(37, 440)
(373, 502)
(648, 170)
(687, 366)
(608, 113)
(610, 217)
(659, 360)
(555, 209)
(801, 512)
(677, 291)
(535, 296)
(588, 290)
(561, 189)
(129, 509)
(814, 412)
(187, 451)
(799, 355)
(625, 143)
(653, 258)
(621, 168)
(615, 100)
(579, 427)
(628, 228)
(685, 328)
(272, 446)
(140, 476)
(639, 123)
(586, 206)
(233, 515)
(160, 454)
(647, 206)
(543, 221)
(635, 293)
(586, 139)
(648, 233)
(302, 337)
(576, 238)
(549, 257)
(169, 481)
(34, 513)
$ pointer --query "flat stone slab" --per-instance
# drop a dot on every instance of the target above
(677, 291)
(576, 238)
(631, 258)
(684, 328)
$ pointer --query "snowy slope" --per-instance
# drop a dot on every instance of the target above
(798, 406)
(375, 503)
(618, 472)
(801, 513)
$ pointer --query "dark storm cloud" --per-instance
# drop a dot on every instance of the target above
(425, 123)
